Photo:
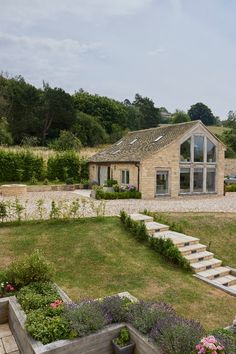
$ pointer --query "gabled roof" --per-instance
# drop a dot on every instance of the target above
(139, 144)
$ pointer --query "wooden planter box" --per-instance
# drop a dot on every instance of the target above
(97, 343)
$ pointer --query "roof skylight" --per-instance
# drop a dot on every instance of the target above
(115, 152)
(133, 141)
(119, 142)
(158, 138)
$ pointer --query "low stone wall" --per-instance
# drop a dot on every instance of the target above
(13, 190)
(4, 309)
(230, 167)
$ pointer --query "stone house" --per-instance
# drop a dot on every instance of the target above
(173, 160)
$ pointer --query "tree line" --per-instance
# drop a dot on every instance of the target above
(52, 117)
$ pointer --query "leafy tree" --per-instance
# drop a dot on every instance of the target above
(89, 130)
(66, 141)
(180, 117)
(58, 112)
(117, 133)
(231, 120)
(5, 135)
(149, 114)
(200, 111)
(107, 111)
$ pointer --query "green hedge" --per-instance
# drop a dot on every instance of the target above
(100, 194)
(231, 188)
(20, 166)
(67, 165)
(165, 247)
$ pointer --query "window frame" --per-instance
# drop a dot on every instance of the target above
(126, 173)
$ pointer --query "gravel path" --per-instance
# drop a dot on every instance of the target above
(90, 207)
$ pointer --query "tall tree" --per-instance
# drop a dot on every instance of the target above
(180, 117)
(200, 111)
(149, 114)
(58, 112)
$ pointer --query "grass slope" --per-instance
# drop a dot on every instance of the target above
(94, 258)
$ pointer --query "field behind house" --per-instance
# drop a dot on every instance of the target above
(97, 257)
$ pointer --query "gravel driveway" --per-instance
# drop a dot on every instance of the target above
(90, 207)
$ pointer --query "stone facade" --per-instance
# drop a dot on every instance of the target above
(230, 167)
(168, 159)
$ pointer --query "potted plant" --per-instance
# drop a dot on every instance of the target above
(122, 343)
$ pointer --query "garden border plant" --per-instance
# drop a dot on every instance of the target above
(165, 247)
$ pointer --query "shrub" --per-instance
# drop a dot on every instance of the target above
(47, 328)
(67, 165)
(85, 318)
(37, 295)
(70, 180)
(231, 188)
(100, 194)
(227, 338)
(115, 309)
(20, 166)
(66, 141)
(176, 335)
(110, 182)
(33, 268)
(3, 210)
(143, 315)
(123, 338)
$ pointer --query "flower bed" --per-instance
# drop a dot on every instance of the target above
(118, 192)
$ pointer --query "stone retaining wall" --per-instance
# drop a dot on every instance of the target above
(230, 167)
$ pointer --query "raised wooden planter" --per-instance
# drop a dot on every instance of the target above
(9, 190)
(97, 343)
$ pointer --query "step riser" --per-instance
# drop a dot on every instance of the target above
(187, 253)
(201, 269)
(229, 283)
(206, 258)
(183, 244)
(153, 231)
(211, 277)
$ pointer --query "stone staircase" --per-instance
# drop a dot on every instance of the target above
(202, 262)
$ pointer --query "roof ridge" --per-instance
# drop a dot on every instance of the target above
(164, 126)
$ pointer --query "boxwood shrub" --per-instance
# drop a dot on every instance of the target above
(100, 194)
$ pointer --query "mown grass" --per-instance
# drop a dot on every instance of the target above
(97, 257)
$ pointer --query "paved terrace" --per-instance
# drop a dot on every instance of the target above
(213, 204)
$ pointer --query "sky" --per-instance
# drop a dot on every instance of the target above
(176, 52)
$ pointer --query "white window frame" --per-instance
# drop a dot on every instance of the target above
(126, 173)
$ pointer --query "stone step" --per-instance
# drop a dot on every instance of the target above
(141, 217)
(192, 249)
(233, 287)
(199, 256)
(213, 274)
(180, 240)
(153, 227)
(205, 265)
(227, 280)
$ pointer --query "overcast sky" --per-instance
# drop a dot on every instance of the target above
(177, 52)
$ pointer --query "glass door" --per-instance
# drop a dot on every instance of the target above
(162, 182)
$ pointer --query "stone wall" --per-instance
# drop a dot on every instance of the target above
(230, 167)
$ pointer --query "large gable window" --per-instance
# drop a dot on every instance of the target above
(211, 151)
(185, 180)
(211, 180)
(198, 148)
(198, 180)
(185, 151)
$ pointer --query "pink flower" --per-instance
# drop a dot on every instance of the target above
(56, 304)
(9, 288)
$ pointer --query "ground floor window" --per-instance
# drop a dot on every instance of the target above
(184, 180)
(162, 182)
(125, 177)
(197, 179)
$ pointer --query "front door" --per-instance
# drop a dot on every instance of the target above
(103, 174)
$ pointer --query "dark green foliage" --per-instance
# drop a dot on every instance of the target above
(37, 295)
(20, 166)
(176, 335)
(48, 328)
(200, 111)
(231, 188)
(149, 115)
(5, 134)
(180, 117)
(100, 194)
(33, 268)
(165, 247)
(123, 338)
(3, 210)
(110, 182)
(66, 165)
(69, 180)
(86, 317)
(66, 141)
(89, 130)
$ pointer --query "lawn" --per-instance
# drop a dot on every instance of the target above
(97, 257)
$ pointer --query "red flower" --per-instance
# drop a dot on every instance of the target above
(9, 288)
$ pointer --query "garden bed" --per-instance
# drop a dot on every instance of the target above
(96, 343)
